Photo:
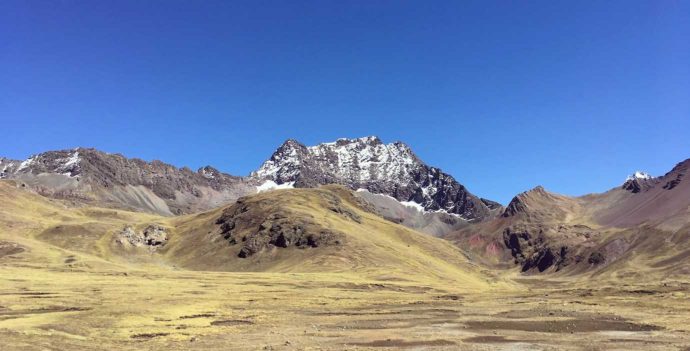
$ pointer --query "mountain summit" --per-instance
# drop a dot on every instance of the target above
(367, 163)
(638, 181)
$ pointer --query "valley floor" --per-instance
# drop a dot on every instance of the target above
(81, 308)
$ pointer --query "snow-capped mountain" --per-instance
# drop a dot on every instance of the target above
(638, 181)
(367, 163)
(639, 175)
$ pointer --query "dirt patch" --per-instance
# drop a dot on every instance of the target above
(552, 313)
(449, 297)
(231, 322)
(60, 309)
(562, 326)
(403, 343)
(28, 293)
(201, 315)
(397, 323)
(43, 310)
(487, 339)
(352, 313)
(148, 335)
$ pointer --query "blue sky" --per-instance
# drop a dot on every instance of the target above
(504, 95)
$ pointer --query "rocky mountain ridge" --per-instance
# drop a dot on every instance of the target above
(367, 163)
(543, 231)
(91, 175)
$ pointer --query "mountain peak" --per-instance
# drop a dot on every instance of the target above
(291, 143)
(66, 162)
(209, 172)
(638, 181)
(639, 175)
(537, 189)
(539, 203)
(367, 163)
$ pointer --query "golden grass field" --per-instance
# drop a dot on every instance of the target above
(65, 285)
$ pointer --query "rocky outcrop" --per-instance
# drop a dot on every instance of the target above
(542, 248)
(676, 175)
(255, 228)
(367, 163)
(153, 236)
(639, 181)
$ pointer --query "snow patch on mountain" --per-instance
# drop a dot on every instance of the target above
(271, 185)
(26, 163)
(414, 205)
(639, 175)
(68, 166)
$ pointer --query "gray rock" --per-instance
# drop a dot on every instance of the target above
(153, 236)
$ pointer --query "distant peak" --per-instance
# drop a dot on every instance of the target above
(291, 143)
(638, 175)
(637, 182)
(536, 190)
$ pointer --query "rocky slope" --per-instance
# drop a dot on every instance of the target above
(92, 176)
(367, 163)
(412, 215)
(641, 221)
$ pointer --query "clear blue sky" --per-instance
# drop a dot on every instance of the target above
(504, 95)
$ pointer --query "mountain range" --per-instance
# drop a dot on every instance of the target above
(84, 174)
(647, 219)
(539, 231)
(352, 244)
